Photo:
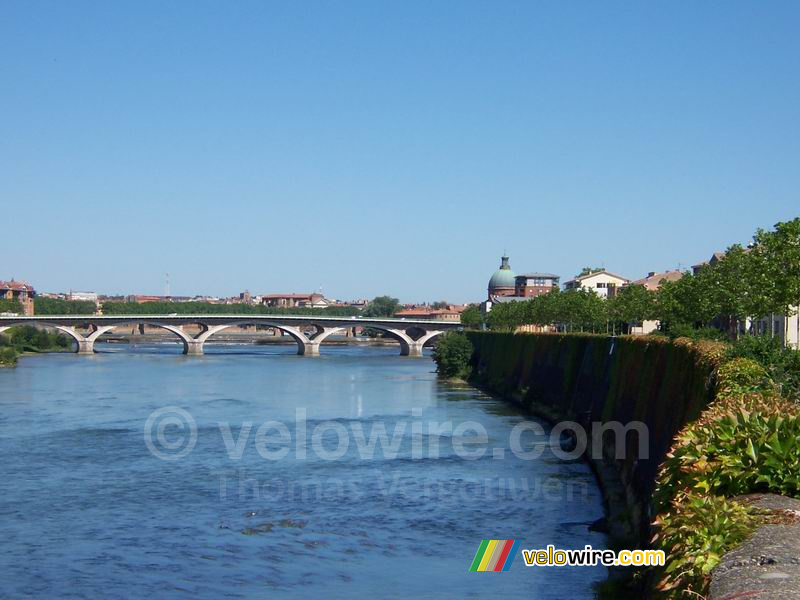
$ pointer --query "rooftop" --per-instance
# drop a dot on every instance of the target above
(16, 285)
(596, 273)
(654, 279)
(538, 275)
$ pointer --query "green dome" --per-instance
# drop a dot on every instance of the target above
(504, 277)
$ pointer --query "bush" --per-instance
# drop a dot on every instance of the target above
(30, 339)
(747, 441)
(452, 354)
(678, 330)
(782, 364)
(694, 534)
(8, 357)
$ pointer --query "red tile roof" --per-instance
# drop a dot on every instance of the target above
(16, 285)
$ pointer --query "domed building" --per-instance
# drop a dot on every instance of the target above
(503, 282)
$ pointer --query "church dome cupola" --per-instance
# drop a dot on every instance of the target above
(503, 281)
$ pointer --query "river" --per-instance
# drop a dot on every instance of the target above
(89, 509)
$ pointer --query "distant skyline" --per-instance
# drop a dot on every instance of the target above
(387, 148)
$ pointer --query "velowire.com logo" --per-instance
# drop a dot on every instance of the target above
(494, 555)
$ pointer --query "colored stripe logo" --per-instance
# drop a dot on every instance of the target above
(494, 555)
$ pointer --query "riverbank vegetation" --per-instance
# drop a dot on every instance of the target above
(452, 354)
(18, 340)
(745, 442)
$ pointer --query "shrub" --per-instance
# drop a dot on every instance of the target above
(694, 533)
(452, 354)
(748, 440)
(782, 364)
(8, 357)
(30, 339)
(677, 330)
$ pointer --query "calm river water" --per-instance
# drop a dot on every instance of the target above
(87, 510)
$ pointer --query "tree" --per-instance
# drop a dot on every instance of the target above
(56, 306)
(472, 317)
(12, 306)
(631, 304)
(506, 316)
(440, 305)
(589, 271)
(382, 306)
(452, 354)
(581, 309)
(687, 301)
(781, 252)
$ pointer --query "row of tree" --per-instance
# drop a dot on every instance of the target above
(382, 306)
(208, 308)
(743, 286)
(57, 306)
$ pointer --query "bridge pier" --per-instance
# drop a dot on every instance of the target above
(193, 347)
(308, 349)
(412, 349)
(86, 346)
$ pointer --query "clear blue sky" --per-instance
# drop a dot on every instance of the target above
(387, 147)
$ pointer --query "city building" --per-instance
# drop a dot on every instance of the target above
(142, 299)
(652, 282)
(19, 291)
(506, 286)
(602, 282)
(451, 312)
(313, 300)
(530, 285)
(715, 258)
(654, 279)
(86, 296)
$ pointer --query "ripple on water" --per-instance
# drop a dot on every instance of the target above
(89, 512)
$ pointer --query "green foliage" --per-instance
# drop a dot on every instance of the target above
(747, 441)
(683, 330)
(56, 306)
(573, 310)
(207, 308)
(472, 317)
(8, 356)
(382, 306)
(632, 304)
(12, 306)
(506, 316)
(30, 339)
(452, 354)
(761, 280)
(694, 534)
(782, 364)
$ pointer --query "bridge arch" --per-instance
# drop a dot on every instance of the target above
(86, 343)
(306, 345)
(410, 345)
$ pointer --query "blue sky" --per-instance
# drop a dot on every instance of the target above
(387, 147)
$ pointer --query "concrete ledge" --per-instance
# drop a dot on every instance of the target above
(767, 565)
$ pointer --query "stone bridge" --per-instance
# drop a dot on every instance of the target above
(412, 334)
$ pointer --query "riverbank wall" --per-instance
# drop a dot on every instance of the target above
(593, 380)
